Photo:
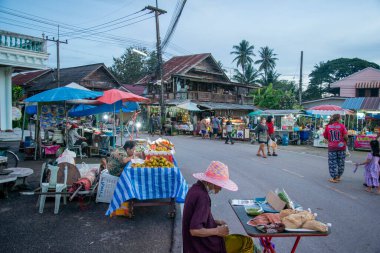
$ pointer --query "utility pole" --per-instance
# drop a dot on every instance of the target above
(58, 65)
(300, 84)
(158, 12)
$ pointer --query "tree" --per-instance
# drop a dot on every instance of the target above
(268, 78)
(249, 77)
(268, 97)
(325, 73)
(243, 53)
(267, 62)
(131, 67)
(17, 94)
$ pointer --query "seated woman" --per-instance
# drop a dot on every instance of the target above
(120, 157)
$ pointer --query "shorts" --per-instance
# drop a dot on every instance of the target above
(203, 131)
(215, 130)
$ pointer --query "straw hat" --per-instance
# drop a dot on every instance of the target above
(217, 174)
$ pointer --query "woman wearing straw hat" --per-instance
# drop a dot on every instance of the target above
(200, 232)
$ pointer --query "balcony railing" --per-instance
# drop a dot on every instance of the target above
(23, 42)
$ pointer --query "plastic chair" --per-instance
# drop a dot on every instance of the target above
(52, 186)
(78, 149)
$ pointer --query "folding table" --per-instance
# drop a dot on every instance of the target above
(266, 238)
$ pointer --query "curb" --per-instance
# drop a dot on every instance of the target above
(176, 246)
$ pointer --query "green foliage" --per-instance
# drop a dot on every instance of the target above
(131, 67)
(328, 72)
(268, 97)
(17, 93)
(243, 54)
(268, 78)
(249, 77)
(267, 62)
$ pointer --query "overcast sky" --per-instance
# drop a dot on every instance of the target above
(323, 29)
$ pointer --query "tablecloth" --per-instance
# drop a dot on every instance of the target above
(148, 183)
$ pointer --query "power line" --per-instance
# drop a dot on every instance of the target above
(173, 25)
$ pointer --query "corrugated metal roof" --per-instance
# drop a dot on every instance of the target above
(177, 65)
(368, 85)
(227, 106)
(362, 103)
(282, 112)
(353, 103)
(371, 103)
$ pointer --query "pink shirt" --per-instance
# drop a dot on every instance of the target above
(335, 133)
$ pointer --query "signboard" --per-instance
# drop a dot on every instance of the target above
(287, 122)
(362, 141)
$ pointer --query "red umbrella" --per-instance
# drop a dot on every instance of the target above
(114, 95)
(326, 108)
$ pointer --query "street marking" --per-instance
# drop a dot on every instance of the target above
(304, 153)
(341, 192)
(293, 173)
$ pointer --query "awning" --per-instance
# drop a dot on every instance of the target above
(190, 106)
(368, 85)
(362, 103)
(227, 106)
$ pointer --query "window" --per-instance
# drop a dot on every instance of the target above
(367, 92)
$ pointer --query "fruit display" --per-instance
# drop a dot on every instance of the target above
(154, 162)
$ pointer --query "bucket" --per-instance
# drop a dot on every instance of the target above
(285, 140)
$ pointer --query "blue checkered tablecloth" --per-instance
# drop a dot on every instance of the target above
(148, 183)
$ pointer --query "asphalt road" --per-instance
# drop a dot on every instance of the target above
(303, 173)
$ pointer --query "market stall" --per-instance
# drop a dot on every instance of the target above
(286, 129)
(324, 112)
(144, 182)
(240, 129)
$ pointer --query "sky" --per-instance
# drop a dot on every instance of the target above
(323, 29)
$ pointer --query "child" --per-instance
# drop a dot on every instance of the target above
(372, 167)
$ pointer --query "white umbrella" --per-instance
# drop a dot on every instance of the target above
(190, 106)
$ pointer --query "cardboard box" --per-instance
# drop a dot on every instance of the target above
(275, 201)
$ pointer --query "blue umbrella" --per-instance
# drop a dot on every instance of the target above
(85, 110)
(63, 94)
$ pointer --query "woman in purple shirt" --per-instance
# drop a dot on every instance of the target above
(201, 233)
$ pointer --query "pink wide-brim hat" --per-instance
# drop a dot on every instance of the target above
(217, 174)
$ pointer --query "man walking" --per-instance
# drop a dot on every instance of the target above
(229, 131)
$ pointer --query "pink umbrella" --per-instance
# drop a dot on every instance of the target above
(114, 95)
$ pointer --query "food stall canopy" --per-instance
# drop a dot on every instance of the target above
(63, 94)
(282, 112)
(190, 106)
(85, 110)
(328, 110)
(113, 95)
(255, 113)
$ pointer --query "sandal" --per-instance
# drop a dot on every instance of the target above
(332, 180)
(264, 156)
(338, 179)
(258, 154)
(274, 154)
(269, 154)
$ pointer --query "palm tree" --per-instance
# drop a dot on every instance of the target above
(243, 53)
(269, 78)
(250, 76)
(267, 60)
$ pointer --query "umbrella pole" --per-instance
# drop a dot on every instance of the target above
(23, 125)
(114, 126)
(67, 132)
(122, 127)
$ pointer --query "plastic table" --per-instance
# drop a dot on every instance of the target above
(21, 174)
(266, 239)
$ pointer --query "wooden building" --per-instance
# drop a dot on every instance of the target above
(94, 77)
(198, 78)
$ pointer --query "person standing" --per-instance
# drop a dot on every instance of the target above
(271, 138)
(262, 136)
(215, 126)
(151, 124)
(201, 233)
(336, 135)
(203, 128)
(229, 131)
(372, 167)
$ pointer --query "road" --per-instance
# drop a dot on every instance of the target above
(353, 213)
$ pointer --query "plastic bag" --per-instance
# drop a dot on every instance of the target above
(348, 154)
(285, 197)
